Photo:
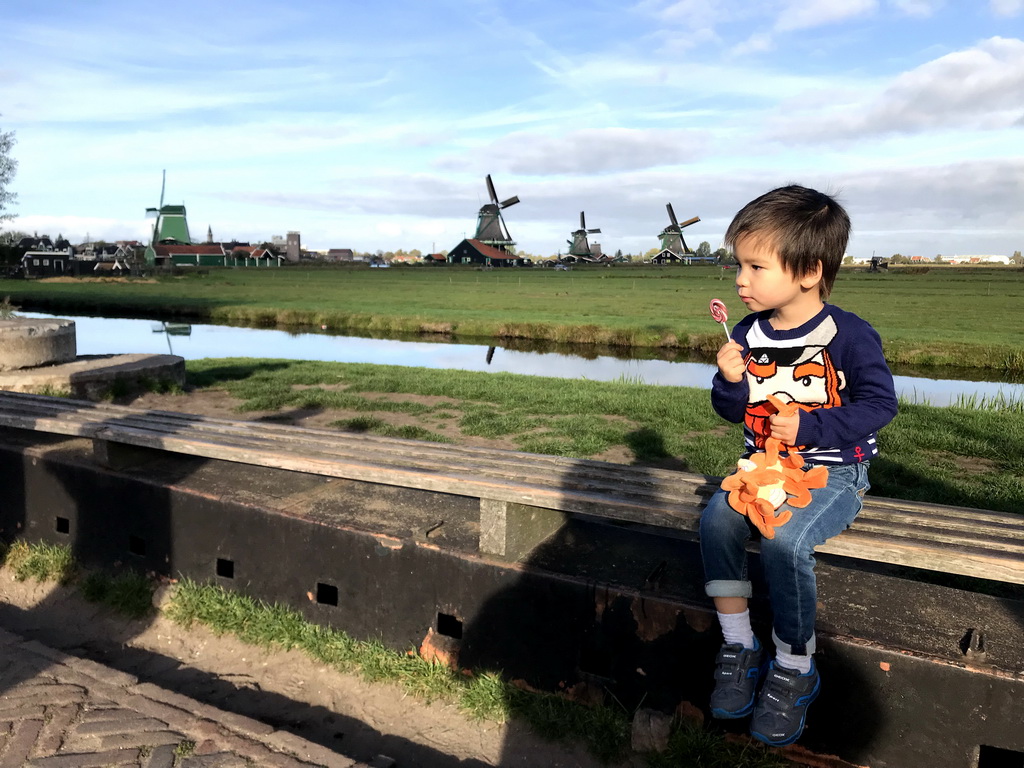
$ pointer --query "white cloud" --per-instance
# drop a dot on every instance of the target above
(981, 87)
(1007, 8)
(917, 8)
(807, 14)
(79, 229)
(584, 152)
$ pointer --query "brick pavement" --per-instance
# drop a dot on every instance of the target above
(61, 711)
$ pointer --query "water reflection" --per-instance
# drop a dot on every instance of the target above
(97, 335)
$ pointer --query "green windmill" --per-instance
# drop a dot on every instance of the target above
(170, 227)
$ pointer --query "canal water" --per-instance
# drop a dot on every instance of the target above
(97, 335)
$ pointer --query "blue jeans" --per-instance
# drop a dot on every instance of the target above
(788, 559)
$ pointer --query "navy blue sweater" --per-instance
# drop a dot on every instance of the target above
(832, 366)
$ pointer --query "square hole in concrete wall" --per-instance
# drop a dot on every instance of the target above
(994, 757)
(137, 545)
(326, 594)
(225, 568)
(449, 626)
(62, 525)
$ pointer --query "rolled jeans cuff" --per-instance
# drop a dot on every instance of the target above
(800, 649)
(728, 588)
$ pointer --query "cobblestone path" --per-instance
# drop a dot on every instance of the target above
(60, 711)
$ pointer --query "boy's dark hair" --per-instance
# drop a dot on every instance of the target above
(803, 225)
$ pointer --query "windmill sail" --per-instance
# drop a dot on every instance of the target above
(672, 236)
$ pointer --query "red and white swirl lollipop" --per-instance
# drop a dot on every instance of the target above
(720, 314)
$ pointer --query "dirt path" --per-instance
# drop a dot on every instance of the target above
(283, 689)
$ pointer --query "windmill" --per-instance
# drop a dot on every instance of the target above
(490, 226)
(578, 246)
(672, 236)
(170, 226)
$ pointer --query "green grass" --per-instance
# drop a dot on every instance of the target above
(41, 562)
(128, 593)
(924, 318)
(380, 427)
(967, 455)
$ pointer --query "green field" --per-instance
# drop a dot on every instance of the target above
(940, 316)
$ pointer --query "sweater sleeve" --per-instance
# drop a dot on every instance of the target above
(869, 402)
(729, 400)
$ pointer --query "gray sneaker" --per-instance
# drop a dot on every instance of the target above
(737, 670)
(782, 706)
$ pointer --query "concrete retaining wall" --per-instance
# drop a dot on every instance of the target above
(618, 609)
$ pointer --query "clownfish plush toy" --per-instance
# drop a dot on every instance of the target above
(762, 484)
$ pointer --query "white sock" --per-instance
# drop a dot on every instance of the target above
(736, 628)
(791, 661)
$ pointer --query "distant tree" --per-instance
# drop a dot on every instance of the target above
(725, 256)
(8, 167)
(14, 236)
(848, 260)
(1017, 258)
(704, 250)
(898, 258)
(269, 247)
(651, 253)
(618, 254)
(10, 253)
(939, 259)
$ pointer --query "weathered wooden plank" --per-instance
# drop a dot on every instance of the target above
(931, 556)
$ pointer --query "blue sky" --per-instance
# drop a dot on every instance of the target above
(373, 125)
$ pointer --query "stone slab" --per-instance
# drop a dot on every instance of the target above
(26, 343)
(92, 377)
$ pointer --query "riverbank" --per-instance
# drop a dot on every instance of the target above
(962, 318)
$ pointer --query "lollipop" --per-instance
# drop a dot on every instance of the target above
(720, 314)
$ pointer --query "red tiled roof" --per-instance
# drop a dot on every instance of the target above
(491, 251)
(191, 250)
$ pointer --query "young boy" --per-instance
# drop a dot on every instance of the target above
(789, 244)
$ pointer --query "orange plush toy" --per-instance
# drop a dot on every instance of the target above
(764, 482)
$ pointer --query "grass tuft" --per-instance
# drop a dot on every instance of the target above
(128, 593)
(42, 562)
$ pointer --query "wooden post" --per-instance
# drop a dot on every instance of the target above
(114, 455)
(511, 531)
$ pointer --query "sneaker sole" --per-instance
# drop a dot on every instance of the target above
(722, 714)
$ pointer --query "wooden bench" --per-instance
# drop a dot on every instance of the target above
(523, 497)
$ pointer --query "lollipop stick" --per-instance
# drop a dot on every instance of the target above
(726, 328)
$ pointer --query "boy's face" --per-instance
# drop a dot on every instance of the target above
(762, 281)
